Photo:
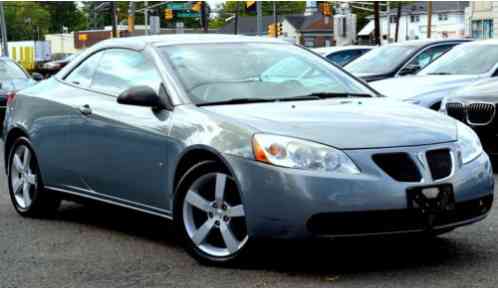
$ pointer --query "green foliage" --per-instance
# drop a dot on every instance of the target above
(29, 20)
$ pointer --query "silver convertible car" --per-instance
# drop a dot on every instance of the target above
(238, 139)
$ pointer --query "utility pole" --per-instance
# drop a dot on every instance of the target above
(388, 7)
(275, 17)
(236, 19)
(114, 20)
(377, 23)
(131, 17)
(3, 28)
(204, 17)
(429, 19)
(259, 17)
(398, 19)
(146, 17)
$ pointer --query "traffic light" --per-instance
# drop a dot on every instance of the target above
(197, 6)
(326, 8)
(279, 29)
(272, 29)
(168, 14)
(250, 7)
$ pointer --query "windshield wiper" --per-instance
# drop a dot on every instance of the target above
(324, 95)
(237, 101)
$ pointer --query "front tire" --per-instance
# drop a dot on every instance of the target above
(210, 215)
(25, 184)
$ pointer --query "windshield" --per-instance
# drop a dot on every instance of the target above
(9, 70)
(381, 60)
(213, 73)
(465, 59)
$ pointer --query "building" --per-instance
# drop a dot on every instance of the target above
(482, 20)
(448, 21)
(311, 31)
(308, 30)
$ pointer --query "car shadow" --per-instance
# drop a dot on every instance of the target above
(317, 257)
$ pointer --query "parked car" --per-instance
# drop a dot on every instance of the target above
(475, 106)
(462, 66)
(52, 67)
(342, 55)
(12, 78)
(399, 59)
(236, 139)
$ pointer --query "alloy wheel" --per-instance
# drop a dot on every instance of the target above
(22, 178)
(214, 216)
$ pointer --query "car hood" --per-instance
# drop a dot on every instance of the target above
(16, 84)
(346, 124)
(407, 87)
(485, 90)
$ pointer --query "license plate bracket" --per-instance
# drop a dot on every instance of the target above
(432, 202)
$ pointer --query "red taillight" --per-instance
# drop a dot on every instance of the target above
(10, 97)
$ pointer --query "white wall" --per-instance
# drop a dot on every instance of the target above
(61, 43)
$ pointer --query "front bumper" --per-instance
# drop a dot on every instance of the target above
(289, 203)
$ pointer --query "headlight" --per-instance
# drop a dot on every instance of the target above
(300, 154)
(468, 141)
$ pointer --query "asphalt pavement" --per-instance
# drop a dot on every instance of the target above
(100, 246)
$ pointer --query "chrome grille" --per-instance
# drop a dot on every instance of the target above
(480, 113)
(456, 110)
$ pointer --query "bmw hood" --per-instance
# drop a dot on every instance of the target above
(346, 123)
(412, 87)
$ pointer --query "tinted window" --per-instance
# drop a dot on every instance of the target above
(218, 72)
(10, 70)
(82, 75)
(430, 54)
(381, 60)
(120, 69)
(343, 57)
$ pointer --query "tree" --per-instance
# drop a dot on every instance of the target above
(65, 14)
(26, 20)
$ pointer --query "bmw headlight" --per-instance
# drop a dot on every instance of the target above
(469, 143)
(300, 154)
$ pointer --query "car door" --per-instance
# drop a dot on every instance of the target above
(75, 90)
(127, 145)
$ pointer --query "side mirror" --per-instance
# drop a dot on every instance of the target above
(409, 69)
(37, 76)
(141, 96)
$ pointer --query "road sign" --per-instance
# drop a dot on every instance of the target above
(188, 14)
(179, 5)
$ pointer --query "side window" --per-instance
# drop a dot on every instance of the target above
(429, 55)
(121, 69)
(82, 75)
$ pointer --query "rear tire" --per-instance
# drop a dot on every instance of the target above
(209, 215)
(27, 193)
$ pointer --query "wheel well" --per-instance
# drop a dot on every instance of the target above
(14, 134)
(190, 159)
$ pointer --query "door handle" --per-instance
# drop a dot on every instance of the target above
(85, 109)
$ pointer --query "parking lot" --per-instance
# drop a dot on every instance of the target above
(90, 245)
